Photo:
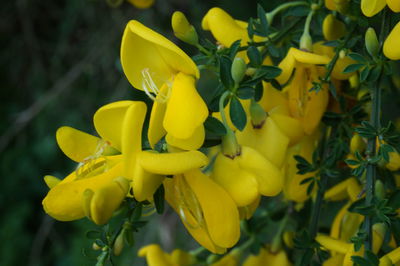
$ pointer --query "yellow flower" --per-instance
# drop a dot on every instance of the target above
(266, 257)
(224, 28)
(230, 259)
(206, 210)
(333, 28)
(247, 175)
(391, 48)
(372, 7)
(391, 258)
(305, 105)
(154, 64)
(155, 256)
(142, 4)
(94, 189)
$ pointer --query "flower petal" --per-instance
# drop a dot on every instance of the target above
(220, 212)
(372, 7)
(241, 185)
(155, 256)
(108, 122)
(394, 5)
(76, 144)
(145, 183)
(391, 47)
(156, 129)
(186, 110)
(192, 143)
(171, 163)
(143, 48)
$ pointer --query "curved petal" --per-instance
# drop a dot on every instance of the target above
(145, 183)
(224, 28)
(131, 136)
(108, 121)
(372, 7)
(192, 143)
(51, 181)
(309, 58)
(289, 126)
(143, 48)
(394, 5)
(76, 144)
(272, 98)
(155, 256)
(156, 129)
(199, 233)
(287, 65)
(64, 201)
(107, 199)
(220, 212)
(241, 185)
(268, 176)
(267, 140)
(171, 163)
(391, 47)
(186, 110)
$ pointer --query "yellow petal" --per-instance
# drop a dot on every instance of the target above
(182, 258)
(267, 140)
(287, 65)
(333, 244)
(333, 28)
(220, 212)
(131, 136)
(173, 195)
(391, 47)
(76, 144)
(256, 260)
(247, 212)
(241, 185)
(335, 260)
(277, 259)
(155, 256)
(143, 48)
(394, 5)
(64, 201)
(330, 4)
(192, 143)
(224, 28)
(145, 183)
(186, 110)
(156, 129)
(309, 58)
(272, 98)
(372, 7)
(51, 181)
(289, 126)
(107, 199)
(142, 4)
(108, 121)
(171, 163)
(268, 176)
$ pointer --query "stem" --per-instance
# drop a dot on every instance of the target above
(270, 15)
(203, 50)
(277, 241)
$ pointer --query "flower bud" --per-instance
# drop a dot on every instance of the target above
(95, 246)
(257, 114)
(238, 69)
(354, 81)
(306, 42)
(230, 146)
(357, 144)
(142, 4)
(119, 243)
(332, 28)
(183, 30)
(379, 189)
(371, 42)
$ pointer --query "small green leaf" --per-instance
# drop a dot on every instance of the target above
(237, 113)
(258, 92)
(357, 57)
(245, 93)
(225, 65)
(255, 56)
(234, 49)
(214, 126)
(352, 68)
(268, 72)
(263, 19)
(364, 74)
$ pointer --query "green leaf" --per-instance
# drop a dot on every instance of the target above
(245, 93)
(254, 55)
(258, 92)
(351, 162)
(374, 75)
(214, 126)
(159, 199)
(352, 68)
(250, 28)
(334, 43)
(263, 19)
(137, 212)
(234, 49)
(225, 64)
(357, 57)
(364, 74)
(237, 114)
(268, 72)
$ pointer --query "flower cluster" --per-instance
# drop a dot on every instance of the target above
(214, 155)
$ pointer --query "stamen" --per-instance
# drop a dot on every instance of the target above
(93, 164)
(150, 88)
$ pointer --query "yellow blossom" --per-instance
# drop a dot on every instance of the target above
(391, 47)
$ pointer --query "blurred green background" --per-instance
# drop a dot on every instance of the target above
(59, 63)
